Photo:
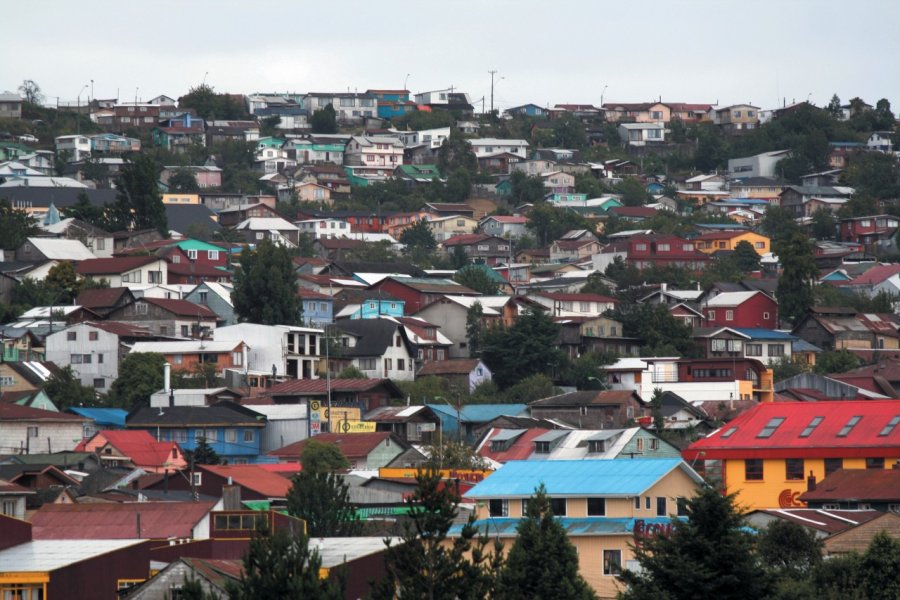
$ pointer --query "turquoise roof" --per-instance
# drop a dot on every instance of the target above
(760, 333)
(479, 413)
(574, 526)
(192, 244)
(578, 478)
(102, 416)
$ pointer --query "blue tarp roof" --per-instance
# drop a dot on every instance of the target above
(479, 413)
(577, 478)
(113, 417)
(760, 333)
(505, 527)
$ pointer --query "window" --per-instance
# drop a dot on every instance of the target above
(874, 463)
(99, 383)
(846, 429)
(712, 315)
(249, 436)
(542, 447)
(133, 277)
(177, 358)
(729, 433)
(647, 502)
(33, 431)
(237, 359)
(654, 444)
(640, 247)
(890, 426)
(596, 507)
(260, 235)
(766, 315)
(92, 336)
(140, 308)
(498, 508)
(639, 444)
(770, 427)
(637, 502)
(71, 336)
(760, 245)
(198, 479)
(9, 508)
(231, 435)
(663, 248)
(662, 509)
(729, 315)
(401, 364)
(558, 506)
(776, 349)
(753, 469)
(367, 364)
(212, 254)
(793, 469)
(75, 359)
(811, 427)
(612, 562)
(832, 465)
(185, 331)
(753, 350)
(388, 364)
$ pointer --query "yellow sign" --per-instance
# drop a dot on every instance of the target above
(318, 411)
(348, 426)
(473, 475)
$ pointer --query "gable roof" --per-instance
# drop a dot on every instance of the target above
(138, 445)
(94, 298)
(222, 413)
(452, 366)
(114, 266)
(182, 308)
(352, 445)
(880, 485)
(579, 478)
(582, 398)
(294, 387)
(252, 477)
(730, 299)
(376, 336)
(61, 249)
(118, 520)
(17, 412)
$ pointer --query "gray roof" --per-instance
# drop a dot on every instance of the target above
(224, 413)
(180, 217)
(377, 335)
(60, 196)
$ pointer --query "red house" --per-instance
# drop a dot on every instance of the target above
(659, 250)
(870, 231)
(742, 310)
(420, 292)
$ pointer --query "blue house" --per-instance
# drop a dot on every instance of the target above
(318, 308)
(392, 103)
(375, 308)
(231, 430)
(527, 110)
(471, 416)
(217, 298)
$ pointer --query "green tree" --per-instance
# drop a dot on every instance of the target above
(64, 388)
(798, 275)
(533, 387)
(834, 107)
(526, 348)
(659, 421)
(428, 565)
(745, 257)
(525, 189)
(837, 361)
(568, 132)
(788, 550)
(31, 92)
(83, 210)
(322, 500)
(778, 223)
(633, 192)
(324, 120)
(419, 243)
(351, 372)
(140, 375)
(281, 565)
(455, 154)
(322, 457)
(476, 277)
(265, 288)
(15, 226)
(449, 453)
(542, 564)
(586, 371)
(474, 328)
(183, 181)
(824, 225)
(138, 201)
(710, 553)
(210, 106)
(203, 454)
(662, 334)
(878, 567)
(874, 175)
(549, 223)
(786, 367)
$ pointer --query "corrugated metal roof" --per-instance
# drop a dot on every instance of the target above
(49, 555)
(504, 435)
(578, 478)
(551, 436)
(574, 526)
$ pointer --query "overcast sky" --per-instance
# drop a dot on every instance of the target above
(564, 51)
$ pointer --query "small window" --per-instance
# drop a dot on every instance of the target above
(71, 336)
(198, 478)
(612, 562)
(770, 427)
(92, 336)
(846, 429)
(596, 507)
(662, 507)
(498, 508)
(248, 435)
(875, 463)
(647, 502)
(832, 465)
(729, 433)
(753, 469)
(793, 469)
(99, 383)
(558, 506)
(890, 426)
(637, 502)
(811, 427)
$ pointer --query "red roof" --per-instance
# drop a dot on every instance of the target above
(509, 219)
(16, 412)
(465, 239)
(882, 485)
(120, 329)
(253, 478)
(100, 297)
(876, 275)
(182, 308)
(829, 521)
(564, 297)
(452, 366)
(319, 386)
(740, 438)
(118, 520)
(138, 445)
(113, 266)
(721, 235)
(198, 269)
(633, 211)
(352, 445)
(520, 449)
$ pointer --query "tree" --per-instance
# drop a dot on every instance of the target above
(140, 375)
(322, 500)
(427, 565)
(837, 361)
(15, 226)
(203, 454)
(824, 225)
(324, 120)
(834, 107)
(265, 289)
(878, 567)
(474, 315)
(419, 243)
(31, 92)
(448, 453)
(282, 566)
(710, 552)
(542, 564)
(663, 334)
(455, 154)
(779, 224)
(549, 223)
(351, 372)
(874, 175)
(659, 421)
(476, 277)
(322, 457)
(138, 201)
(65, 390)
(533, 387)
(789, 550)
(525, 189)
(798, 275)
(83, 210)
(568, 132)
(745, 257)
(211, 106)
(633, 192)
(884, 116)
(526, 348)
(183, 181)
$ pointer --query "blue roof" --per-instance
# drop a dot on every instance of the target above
(577, 478)
(114, 417)
(760, 333)
(506, 527)
(801, 345)
(479, 413)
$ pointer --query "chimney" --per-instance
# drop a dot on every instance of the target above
(663, 287)
(896, 465)
(811, 482)
(167, 377)
(231, 497)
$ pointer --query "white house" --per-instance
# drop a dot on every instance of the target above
(324, 228)
(73, 147)
(347, 107)
(380, 348)
(760, 165)
(373, 153)
(508, 227)
(484, 147)
(126, 271)
(92, 350)
(638, 134)
(28, 430)
(880, 141)
(433, 138)
(292, 351)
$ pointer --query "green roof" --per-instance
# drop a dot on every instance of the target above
(192, 244)
(491, 274)
(272, 142)
(420, 170)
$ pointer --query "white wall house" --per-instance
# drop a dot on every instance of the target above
(293, 351)
(76, 147)
(760, 165)
(92, 352)
(347, 107)
(484, 147)
(123, 272)
(433, 138)
(639, 134)
(29, 430)
(324, 228)
(380, 152)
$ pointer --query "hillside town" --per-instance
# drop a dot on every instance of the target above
(231, 319)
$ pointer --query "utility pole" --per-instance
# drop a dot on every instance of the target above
(493, 72)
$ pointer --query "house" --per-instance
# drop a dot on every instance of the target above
(229, 217)
(94, 350)
(412, 424)
(373, 156)
(560, 304)
(764, 188)
(859, 538)
(275, 229)
(348, 107)
(487, 147)
(444, 228)
(99, 418)
(580, 334)
(40, 249)
(642, 134)
(318, 308)
(765, 454)
(759, 165)
(736, 118)
(804, 200)
(646, 250)
(12, 499)
(716, 241)
(189, 355)
(875, 232)
(287, 350)
(206, 176)
(741, 309)
(766, 345)
(608, 409)
(418, 292)
(126, 271)
(346, 394)
(231, 430)
(10, 106)
(573, 250)
(443, 209)
(365, 451)
(605, 506)
(464, 421)
(843, 328)
(448, 312)
(136, 449)
(98, 241)
(253, 481)
(479, 247)
(24, 429)
(378, 347)
(855, 489)
(507, 227)
(392, 103)
(167, 317)
(881, 141)
(462, 373)
(179, 133)
(526, 110)
(217, 298)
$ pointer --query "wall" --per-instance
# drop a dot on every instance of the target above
(52, 437)
(106, 348)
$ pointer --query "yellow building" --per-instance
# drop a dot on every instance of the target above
(606, 506)
(728, 240)
(181, 198)
(767, 454)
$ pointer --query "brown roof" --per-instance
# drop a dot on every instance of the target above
(121, 329)
(588, 398)
(319, 386)
(352, 445)
(182, 308)
(15, 412)
(253, 478)
(881, 485)
(828, 521)
(453, 366)
(119, 520)
(858, 538)
(101, 297)
(112, 266)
